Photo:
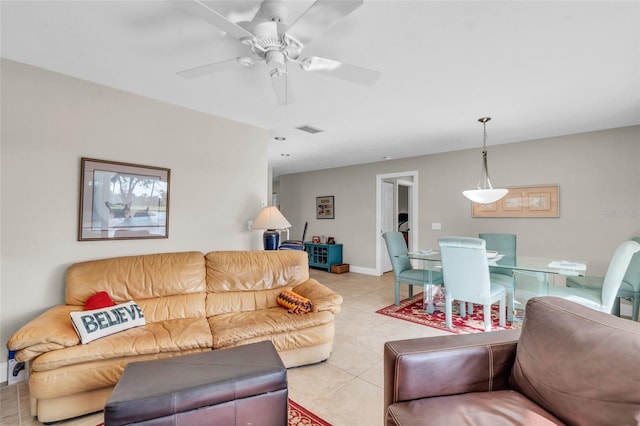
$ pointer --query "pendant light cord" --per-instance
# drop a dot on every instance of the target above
(484, 182)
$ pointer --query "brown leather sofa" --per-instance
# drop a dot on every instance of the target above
(192, 303)
(569, 365)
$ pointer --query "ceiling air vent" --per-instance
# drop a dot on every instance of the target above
(309, 129)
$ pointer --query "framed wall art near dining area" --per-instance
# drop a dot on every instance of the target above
(522, 201)
(122, 201)
(325, 208)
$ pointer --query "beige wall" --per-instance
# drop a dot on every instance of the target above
(598, 174)
(50, 121)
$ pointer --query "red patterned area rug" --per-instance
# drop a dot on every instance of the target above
(298, 416)
(411, 310)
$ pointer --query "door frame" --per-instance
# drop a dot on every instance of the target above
(388, 222)
(413, 214)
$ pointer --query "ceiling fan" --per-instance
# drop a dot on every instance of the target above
(269, 40)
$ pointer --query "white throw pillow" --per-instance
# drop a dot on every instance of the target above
(97, 323)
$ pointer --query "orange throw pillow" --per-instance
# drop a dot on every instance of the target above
(295, 303)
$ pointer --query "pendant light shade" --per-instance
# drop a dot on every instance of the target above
(485, 192)
(485, 196)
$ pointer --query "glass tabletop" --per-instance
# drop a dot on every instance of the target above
(540, 268)
(518, 263)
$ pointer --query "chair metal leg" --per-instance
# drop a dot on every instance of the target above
(636, 307)
(616, 307)
(463, 312)
(397, 293)
(510, 307)
(448, 306)
(410, 291)
(470, 308)
(487, 317)
(502, 313)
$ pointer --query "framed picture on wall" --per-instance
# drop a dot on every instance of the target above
(122, 201)
(522, 201)
(325, 208)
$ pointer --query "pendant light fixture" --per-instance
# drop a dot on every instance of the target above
(485, 193)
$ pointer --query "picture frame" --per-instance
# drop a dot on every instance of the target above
(325, 208)
(523, 201)
(122, 201)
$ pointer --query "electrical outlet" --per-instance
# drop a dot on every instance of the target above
(263, 204)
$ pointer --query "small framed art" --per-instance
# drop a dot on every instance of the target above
(325, 208)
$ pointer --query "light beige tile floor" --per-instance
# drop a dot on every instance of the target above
(346, 390)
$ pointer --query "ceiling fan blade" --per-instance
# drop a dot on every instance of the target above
(212, 68)
(341, 70)
(214, 18)
(282, 87)
(319, 17)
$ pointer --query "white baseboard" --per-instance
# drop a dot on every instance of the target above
(361, 270)
(3, 373)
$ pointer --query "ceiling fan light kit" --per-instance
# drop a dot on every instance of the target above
(485, 192)
(276, 44)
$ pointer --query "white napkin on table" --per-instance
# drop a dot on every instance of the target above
(565, 264)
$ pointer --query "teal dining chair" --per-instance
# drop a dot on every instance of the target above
(602, 299)
(504, 244)
(465, 270)
(629, 288)
(403, 271)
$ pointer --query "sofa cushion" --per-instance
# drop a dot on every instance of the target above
(229, 329)
(255, 270)
(88, 376)
(563, 347)
(177, 306)
(227, 302)
(96, 323)
(136, 277)
(168, 336)
(497, 408)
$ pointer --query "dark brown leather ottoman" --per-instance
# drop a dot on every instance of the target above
(245, 385)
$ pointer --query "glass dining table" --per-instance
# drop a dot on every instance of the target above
(539, 267)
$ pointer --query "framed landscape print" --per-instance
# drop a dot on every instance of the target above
(325, 207)
(522, 201)
(122, 201)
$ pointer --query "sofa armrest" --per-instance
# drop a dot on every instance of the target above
(322, 297)
(50, 331)
(446, 365)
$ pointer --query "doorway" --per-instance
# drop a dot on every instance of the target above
(396, 200)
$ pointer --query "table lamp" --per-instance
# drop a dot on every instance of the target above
(271, 220)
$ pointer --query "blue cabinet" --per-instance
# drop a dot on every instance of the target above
(323, 255)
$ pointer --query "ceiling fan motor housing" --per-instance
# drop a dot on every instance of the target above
(271, 40)
(274, 10)
(276, 60)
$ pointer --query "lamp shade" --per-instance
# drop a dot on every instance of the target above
(485, 196)
(270, 218)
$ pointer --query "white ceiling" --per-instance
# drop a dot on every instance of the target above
(538, 68)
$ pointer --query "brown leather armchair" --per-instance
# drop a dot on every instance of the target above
(568, 365)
